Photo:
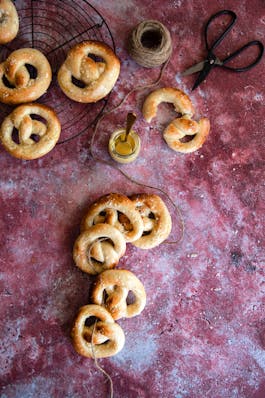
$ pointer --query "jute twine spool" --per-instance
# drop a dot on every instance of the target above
(150, 44)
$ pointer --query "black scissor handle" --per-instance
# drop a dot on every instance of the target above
(240, 50)
(220, 38)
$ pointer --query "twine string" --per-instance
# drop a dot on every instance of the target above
(150, 44)
(97, 364)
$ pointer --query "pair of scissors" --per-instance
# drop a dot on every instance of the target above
(212, 60)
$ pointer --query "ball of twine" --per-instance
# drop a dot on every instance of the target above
(150, 44)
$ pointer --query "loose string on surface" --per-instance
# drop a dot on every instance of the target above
(150, 44)
(134, 181)
(97, 364)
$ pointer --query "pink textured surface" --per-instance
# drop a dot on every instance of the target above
(202, 333)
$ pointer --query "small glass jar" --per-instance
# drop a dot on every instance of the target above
(124, 151)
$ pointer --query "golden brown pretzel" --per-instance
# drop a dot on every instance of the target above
(9, 22)
(16, 84)
(181, 127)
(111, 291)
(117, 210)
(156, 218)
(106, 336)
(98, 248)
(97, 78)
(35, 138)
(180, 100)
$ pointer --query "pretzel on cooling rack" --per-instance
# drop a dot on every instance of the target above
(96, 79)
(179, 127)
(117, 210)
(182, 127)
(156, 218)
(9, 22)
(111, 291)
(103, 338)
(16, 83)
(35, 137)
(98, 248)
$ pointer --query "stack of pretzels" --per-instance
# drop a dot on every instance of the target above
(32, 130)
(110, 222)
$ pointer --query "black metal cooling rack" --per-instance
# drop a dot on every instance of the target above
(53, 27)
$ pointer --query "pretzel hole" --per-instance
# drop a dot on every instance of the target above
(35, 137)
(35, 116)
(15, 136)
(91, 320)
(187, 138)
(95, 58)
(7, 83)
(78, 83)
(130, 298)
(124, 221)
(151, 39)
(33, 72)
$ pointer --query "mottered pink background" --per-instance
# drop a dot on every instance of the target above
(202, 332)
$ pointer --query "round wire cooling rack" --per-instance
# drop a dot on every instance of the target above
(53, 27)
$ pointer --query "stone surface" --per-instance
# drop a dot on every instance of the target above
(202, 332)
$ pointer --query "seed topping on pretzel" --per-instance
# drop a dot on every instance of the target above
(111, 290)
(38, 129)
(24, 76)
(105, 335)
(89, 72)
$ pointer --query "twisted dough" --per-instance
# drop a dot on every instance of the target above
(179, 127)
(180, 100)
(118, 211)
(108, 337)
(35, 137)
(21, 87)
(98, 248)
(98, 78)
(156, 218)
(111, 291)
(9, 22)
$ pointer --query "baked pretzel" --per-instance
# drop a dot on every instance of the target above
(96, 78)
(16, 84)
(156, 218)
(180, 100)
(181, 127)
(98, 248)
(9, 22)
(111, 291)
(117, 210)
(35, 138)
(106, 336)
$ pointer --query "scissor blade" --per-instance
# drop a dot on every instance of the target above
(193, 69)
(202, 75)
